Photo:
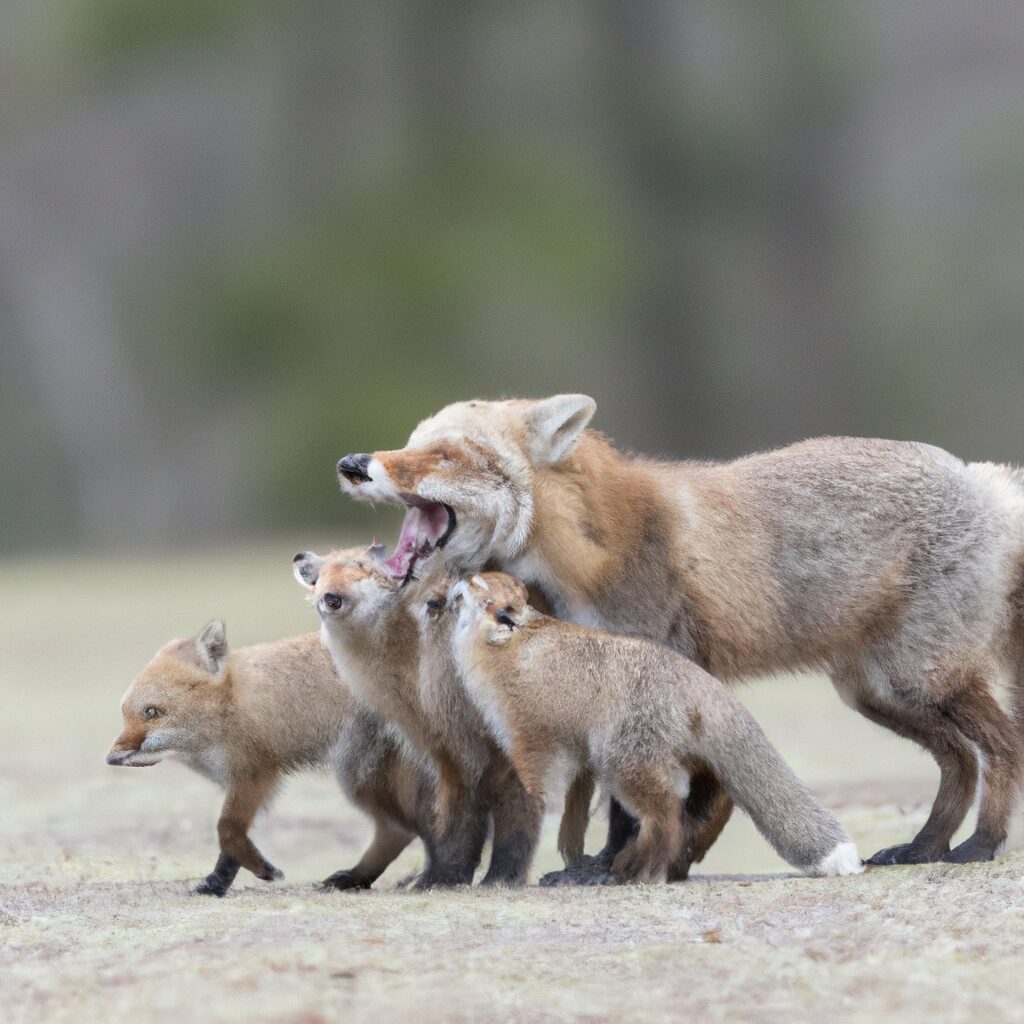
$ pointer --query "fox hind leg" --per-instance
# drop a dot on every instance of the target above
(921, 721)
(979, 717)
(705, 813)
(389, 840)
(659, 838)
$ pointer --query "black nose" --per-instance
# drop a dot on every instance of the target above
(353, 468)
(333, 601)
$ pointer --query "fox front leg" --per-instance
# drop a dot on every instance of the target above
(244, 798)
(219, 880)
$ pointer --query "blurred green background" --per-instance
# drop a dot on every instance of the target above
(243, 238)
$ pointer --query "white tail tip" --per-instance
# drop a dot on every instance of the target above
(843, 860)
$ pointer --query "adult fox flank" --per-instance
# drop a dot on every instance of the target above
(399, 662)
(642, 716)
(246, 718)
(895, 566)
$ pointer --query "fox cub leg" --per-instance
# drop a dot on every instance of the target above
(517, 818)
(220, 879)
(660, 837)
(457, 835)
(705, 813)
(576, 817)
(389, 840)
(244, 799)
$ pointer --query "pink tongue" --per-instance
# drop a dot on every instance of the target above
(422, 527)
(399, 561)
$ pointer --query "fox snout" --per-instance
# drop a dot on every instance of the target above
(139, 750)
(118, 757)
(124, 747)
(354, 468)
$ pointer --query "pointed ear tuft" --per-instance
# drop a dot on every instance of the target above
(556, 425)
(212, 643)
(306, 566)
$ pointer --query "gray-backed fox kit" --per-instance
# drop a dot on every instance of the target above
(373, 623)
(245, 718)
(895, 567)
(642, 716)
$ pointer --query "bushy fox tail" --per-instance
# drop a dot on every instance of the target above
(753, 772)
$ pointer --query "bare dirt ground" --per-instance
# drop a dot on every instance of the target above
(97, 921)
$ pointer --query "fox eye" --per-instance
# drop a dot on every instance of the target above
(152, 712)
(504, 618)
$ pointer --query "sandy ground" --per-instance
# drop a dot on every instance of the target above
(97, 920)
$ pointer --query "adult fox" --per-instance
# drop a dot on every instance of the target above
(895, 566)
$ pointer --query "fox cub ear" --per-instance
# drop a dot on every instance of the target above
(212, 643)
(306, 566)
(556, 424)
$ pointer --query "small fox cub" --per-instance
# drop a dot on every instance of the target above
(245, 719)
(642, 715)
(391, 643)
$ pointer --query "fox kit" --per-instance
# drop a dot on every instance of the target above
(390, 643)
(246, 718)
(643, 716)
(896, 567)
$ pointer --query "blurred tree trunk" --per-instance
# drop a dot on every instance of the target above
(789, 369)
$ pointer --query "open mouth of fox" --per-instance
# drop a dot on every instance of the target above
(426, 528)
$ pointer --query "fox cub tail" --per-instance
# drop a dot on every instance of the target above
(799, 829)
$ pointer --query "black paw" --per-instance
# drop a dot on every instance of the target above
(269, 873)
(211, 885)
(906, 853)
(590, 871)
(973, 848)
(343, 880)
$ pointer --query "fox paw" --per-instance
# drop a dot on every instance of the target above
(342, 880)
(906, 853)
(590, 871)
(211, 885)
(269, 873)
(972, 849)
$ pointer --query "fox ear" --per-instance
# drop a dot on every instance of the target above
(306, 565)
(212, 643)
(377, 551)
(556, 424)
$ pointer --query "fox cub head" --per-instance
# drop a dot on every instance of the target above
(173, 705)
(491, 607)
(352, 583)
(467, 477)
